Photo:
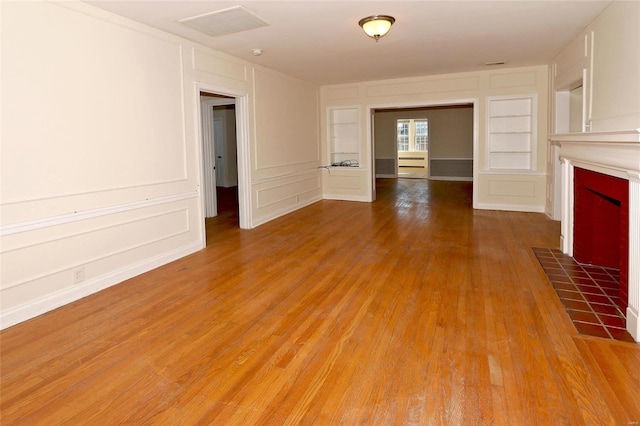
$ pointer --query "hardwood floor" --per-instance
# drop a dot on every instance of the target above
(414, 309)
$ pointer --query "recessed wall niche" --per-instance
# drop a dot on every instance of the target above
(570, 109)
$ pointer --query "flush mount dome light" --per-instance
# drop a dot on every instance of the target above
(376, 26)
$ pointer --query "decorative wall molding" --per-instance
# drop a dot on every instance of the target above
(283, 176)
(282, 212)
(92, 213)
(277, 194)
(50, 302)
(424, 86)
(620, 136)
(511, 208)
(344, 197)
(92, 257)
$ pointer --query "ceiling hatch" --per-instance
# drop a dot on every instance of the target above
(227, 21)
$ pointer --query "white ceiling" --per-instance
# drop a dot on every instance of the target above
(321, 42)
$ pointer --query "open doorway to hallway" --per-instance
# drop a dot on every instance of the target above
(220, 162)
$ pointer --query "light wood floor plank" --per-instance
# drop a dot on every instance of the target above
(412, 310)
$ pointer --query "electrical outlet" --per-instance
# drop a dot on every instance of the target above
(78, 275)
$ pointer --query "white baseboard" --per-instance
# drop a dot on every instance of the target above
(386, 176)
(340, 197)
(268, 218)
(511, 208)
(63, 297)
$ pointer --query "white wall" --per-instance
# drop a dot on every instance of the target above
(101, 151)
(285, 173)
(606, 55)
(616, 67)
(492, 190)
(605, 59)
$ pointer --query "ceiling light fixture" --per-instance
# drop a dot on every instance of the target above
(377, 26)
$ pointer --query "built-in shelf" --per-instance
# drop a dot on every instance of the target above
(344, 134)
(511, 133)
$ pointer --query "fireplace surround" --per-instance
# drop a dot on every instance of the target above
(616, 154)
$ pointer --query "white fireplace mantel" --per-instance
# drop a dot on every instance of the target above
(615, 153)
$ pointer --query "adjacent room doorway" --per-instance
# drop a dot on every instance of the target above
(433, 140)
(222, 128)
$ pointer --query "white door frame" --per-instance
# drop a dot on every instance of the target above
(211, 167)
(208, 159)
(431, 103)
(244, 153)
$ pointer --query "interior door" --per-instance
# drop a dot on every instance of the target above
(209, 161)
(220, 151)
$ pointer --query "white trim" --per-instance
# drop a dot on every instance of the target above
(620, 136)
(92, 213)
(286, 211)
(215, 101)
(633, 307)
(60, 298)
(243, 149)
(209, 154)
(511, 208)
(513, 172)
(341, 197)
(288, 175)
(476, 154)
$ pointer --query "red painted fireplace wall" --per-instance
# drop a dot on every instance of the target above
(601, 224)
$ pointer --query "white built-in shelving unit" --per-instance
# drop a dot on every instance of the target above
(512, 133)
(344, 135)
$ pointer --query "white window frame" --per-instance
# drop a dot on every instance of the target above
(407, 136)
(416, 136)
(412, 136)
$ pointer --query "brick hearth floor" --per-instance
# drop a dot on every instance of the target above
(588, 293)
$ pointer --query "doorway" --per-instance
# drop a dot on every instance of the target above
(441, 145)
(220, 126)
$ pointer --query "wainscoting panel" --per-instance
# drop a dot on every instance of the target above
(275, 197)
(451, 167)
(385, 166)
(70, 259)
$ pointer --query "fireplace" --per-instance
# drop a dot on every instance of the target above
(600, 184)
(601, 224)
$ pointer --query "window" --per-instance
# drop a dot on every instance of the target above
(413, 135)
(422, 135)
(403, 135)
